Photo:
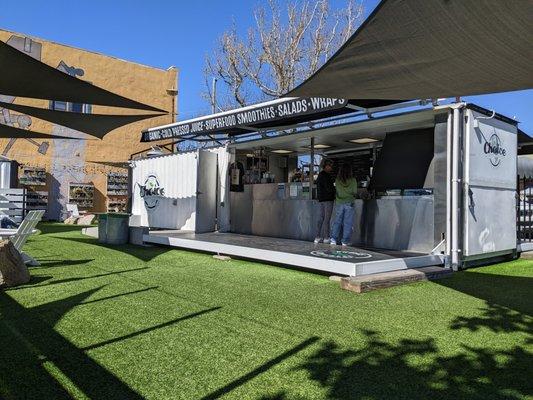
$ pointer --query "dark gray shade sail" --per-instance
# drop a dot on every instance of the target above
(421, 49)
(24, 76)
(93, 124)
(10, 132)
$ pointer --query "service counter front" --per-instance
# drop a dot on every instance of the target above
(284, 210)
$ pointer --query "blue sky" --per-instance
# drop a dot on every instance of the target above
(162, 33)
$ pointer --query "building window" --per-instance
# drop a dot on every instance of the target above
(74, 107)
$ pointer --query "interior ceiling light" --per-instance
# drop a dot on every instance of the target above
(321, 146)
(280, 151)
(364, 140)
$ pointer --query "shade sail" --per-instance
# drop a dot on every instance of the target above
(421, 49)
(24, 76)
(93, 124)
(10, 132)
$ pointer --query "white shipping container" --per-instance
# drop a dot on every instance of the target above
(5, 175)
(165, 190)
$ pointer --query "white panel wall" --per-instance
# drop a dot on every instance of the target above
(490, 186)
(176, 175)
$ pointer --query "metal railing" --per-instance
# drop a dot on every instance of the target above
(16, 203)
(524, 209)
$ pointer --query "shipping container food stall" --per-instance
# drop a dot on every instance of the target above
(437, 184)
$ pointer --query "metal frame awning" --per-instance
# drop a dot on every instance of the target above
(279, 114)
(287, 111)
(338, 136)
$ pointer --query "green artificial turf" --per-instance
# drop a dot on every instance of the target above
(105, 322)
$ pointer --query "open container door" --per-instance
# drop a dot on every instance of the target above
(489, 187)
(206, 195)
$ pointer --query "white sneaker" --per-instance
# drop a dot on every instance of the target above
(318, 240)
(345, 244)
(332, 243)
(326, 241)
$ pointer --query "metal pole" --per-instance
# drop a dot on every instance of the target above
(312, 169)
(456, 154)
(449, 122)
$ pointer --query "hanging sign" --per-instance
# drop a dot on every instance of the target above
(270, 112)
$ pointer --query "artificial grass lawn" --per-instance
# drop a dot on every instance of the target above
(130, 322)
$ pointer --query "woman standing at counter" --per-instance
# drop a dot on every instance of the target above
(343, 212)
(325, 190)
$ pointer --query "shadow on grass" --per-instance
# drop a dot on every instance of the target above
(497, 319)
(514, 292)
(44, 263)
(36, 359)
(384, 371)
(508, 302)
(35, 280)
(150, 329)
(139, 252)
(36, 362)
(261, 369)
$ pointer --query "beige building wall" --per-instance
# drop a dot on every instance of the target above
(87, 161)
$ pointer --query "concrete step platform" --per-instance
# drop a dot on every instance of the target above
(366, 283)
(345, 260)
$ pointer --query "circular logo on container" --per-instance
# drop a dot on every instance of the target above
(342, 254)
(151, 191)
(493, 148)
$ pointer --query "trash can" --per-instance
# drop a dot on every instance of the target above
(102, 228)
(117, 228)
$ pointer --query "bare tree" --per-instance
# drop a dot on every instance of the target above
(280, 51)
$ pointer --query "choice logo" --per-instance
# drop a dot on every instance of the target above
(493, 147)
(151, 191)
(343, 254)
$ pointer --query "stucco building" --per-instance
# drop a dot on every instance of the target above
(90, 172)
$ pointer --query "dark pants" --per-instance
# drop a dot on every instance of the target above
(322, 219)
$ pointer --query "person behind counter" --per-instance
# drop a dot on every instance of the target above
(325, 189)
(343, 212)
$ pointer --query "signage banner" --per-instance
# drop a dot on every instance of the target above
(249, 116)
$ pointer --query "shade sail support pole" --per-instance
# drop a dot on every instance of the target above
(456, 187)
(449, 133)
(312, 169)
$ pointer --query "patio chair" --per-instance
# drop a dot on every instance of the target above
(72, 210)
(20, 235)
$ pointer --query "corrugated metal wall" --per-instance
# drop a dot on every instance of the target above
(176, 174)
(5, 174)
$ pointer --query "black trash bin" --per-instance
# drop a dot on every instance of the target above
(102, 228)
(117, 231)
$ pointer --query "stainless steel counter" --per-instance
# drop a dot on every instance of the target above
(394, 222)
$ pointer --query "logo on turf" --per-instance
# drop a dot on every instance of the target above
(342, 254)
(151, 191)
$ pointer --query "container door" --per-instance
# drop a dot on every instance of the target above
(206, 195)
(490, 187)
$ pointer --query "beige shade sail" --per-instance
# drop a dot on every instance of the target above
(422, 49)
